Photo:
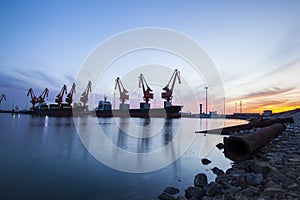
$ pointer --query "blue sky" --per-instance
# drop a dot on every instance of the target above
(255, 45)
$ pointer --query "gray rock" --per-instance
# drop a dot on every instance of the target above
(295, 195)
(261, 167)
(217, 171)
(236, 172)
(224, 180)
(279, 178)
(293, 186)
(233, 190)
(166, 196)
(200, 180)
(220, 146)
(240, 196)
(205, 161)
(171, 190)
(207, 198)
(212, 188)
(239, 180)
(271, 184)
(244, 165)
(180, 198)
(250, 191)
(254, 179)
(194, 192)
(225, 184)
(274, 192)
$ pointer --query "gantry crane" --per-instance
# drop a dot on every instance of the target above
(147, 92)
(59, 97)
(33, 100)
(2, 97)
(167, 95)
(41, 98)
(123, 92)
(69, 98)
(85, 95)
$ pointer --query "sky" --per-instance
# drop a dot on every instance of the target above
(255, 46)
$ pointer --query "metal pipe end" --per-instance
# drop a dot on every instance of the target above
(236, 149)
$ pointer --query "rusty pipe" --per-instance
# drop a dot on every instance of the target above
(238, 148)
(256, 124)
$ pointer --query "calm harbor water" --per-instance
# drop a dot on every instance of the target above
(46, 157)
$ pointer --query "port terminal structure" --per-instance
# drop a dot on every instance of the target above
(145, 110)
(67, 108)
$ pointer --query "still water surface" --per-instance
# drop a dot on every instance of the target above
(45, 158)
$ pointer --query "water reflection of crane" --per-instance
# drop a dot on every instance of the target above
(168, 132)
(143, 141)
(168, 136)
(122, 137)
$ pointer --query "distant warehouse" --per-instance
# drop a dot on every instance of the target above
(267, 113)
(246, 115)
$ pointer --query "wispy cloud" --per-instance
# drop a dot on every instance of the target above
(284, 67)
(22, 80)
(266, 93)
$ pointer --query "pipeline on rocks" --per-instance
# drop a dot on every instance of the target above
(241, 147)
(250, 125)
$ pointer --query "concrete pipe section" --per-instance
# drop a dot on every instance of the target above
(238, 148)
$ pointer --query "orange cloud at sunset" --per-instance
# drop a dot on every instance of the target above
(276, 99)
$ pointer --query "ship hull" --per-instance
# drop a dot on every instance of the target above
(59, 112)
(169, 112)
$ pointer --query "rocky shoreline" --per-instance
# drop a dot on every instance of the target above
(272, 173)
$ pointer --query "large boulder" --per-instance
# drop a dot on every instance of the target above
(212, 188)
(200, 180)
(194, 192)
(254, 179)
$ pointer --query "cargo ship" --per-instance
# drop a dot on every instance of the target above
(104, 109)
(59, 108)
(55, 110)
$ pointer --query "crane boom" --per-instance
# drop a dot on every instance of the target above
(41, 98)
(123, 94)
(167, 95)
(85, 95)
(147, 92)
(33, 100)
(59, 97)
(69, 98)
